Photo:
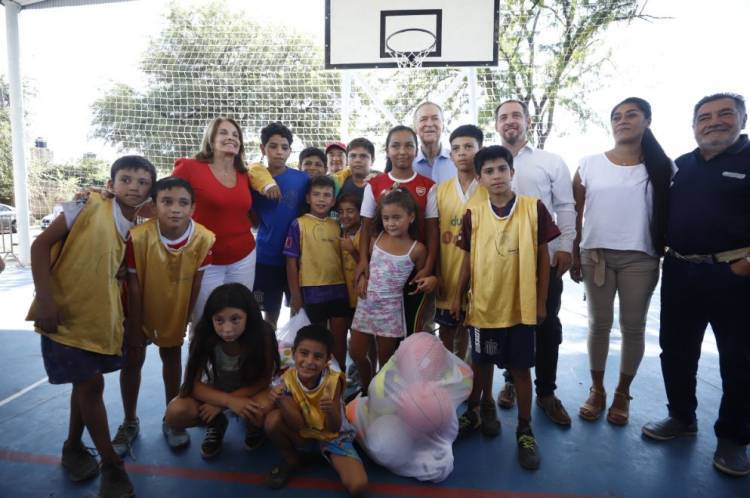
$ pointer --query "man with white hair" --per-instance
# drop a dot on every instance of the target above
(433, 160)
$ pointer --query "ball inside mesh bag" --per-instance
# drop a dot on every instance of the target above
(425, 407)
(422, 356)
(390, 441)
(380, 391)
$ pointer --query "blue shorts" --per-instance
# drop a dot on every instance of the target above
(270, 285)
(445, 319)
(67, 364)
(511, 347)
(341, 446)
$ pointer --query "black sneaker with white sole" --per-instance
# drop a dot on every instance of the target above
(213, 441)
(528, 451)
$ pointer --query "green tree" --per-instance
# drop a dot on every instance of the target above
(6, 160)
(209, 62)
(550, 56)
(50, 183)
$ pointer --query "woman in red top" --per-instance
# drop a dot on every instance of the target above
(221, 183)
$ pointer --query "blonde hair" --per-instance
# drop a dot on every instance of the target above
(207, 154)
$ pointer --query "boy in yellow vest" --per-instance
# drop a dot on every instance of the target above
(309, 413)
(506, 269)
(165, 258)
(348, 206)
(453, 195)
(78, 311)
(313, 265)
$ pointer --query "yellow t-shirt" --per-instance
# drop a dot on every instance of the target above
(320, 260)
(349, 266)
(309, 402)
(503, 265)
(85, 287)
(452, 204)
(166, 279)
(260, 178)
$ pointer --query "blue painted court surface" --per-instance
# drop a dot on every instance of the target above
(589, 459)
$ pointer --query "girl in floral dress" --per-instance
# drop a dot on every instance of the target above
(379, 316)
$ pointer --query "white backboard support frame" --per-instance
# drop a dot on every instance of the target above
(464, 32)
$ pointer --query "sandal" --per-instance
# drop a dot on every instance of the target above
(619, 416)
(591, 410)
(279, 475)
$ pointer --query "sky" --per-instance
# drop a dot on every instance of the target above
(70, 56)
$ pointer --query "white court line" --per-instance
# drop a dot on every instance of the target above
(23, 391)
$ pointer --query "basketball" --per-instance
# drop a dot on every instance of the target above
(426, 408)
(422, 357)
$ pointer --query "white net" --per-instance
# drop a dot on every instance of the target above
(228, 63)
(410, 58)
(204, 60)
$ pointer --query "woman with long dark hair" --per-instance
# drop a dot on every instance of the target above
(233, 357)
(621, 199)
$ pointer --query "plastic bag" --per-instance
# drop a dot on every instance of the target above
(408, 422)
(286, 334)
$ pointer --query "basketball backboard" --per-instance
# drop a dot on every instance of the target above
(366, 33)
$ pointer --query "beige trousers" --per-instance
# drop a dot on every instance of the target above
(632, 276)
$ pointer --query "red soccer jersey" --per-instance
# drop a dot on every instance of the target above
(419, 188)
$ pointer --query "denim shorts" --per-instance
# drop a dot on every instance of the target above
(67, 364)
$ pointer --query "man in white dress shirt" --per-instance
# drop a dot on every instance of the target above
(541, 174)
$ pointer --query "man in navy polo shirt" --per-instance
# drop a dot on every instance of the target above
(706, 279)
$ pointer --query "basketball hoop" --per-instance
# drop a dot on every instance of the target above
(407, 59)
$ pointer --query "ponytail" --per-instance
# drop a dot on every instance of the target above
(659, 170)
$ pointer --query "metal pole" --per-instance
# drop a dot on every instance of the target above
(471, 77)
(346, 103)
(16, 125)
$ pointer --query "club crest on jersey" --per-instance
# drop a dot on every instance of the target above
(421, 191)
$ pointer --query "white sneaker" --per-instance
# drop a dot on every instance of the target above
(176, 438)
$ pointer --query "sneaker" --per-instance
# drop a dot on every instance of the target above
(554, 409)
(352, 375)
(126, 434)
(79, 461)
(214, 438)
(176, 438)
(507, 397)
(115, 482)
(669, 428)
(731, 458)
(254, 437)
(490, 424)
(279, 475)
(528, 451)
(469, 421)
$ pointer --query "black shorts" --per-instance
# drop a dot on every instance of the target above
(511, 347)
(270, 285)
(321, 312)
(444, 318)
(419, 308)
